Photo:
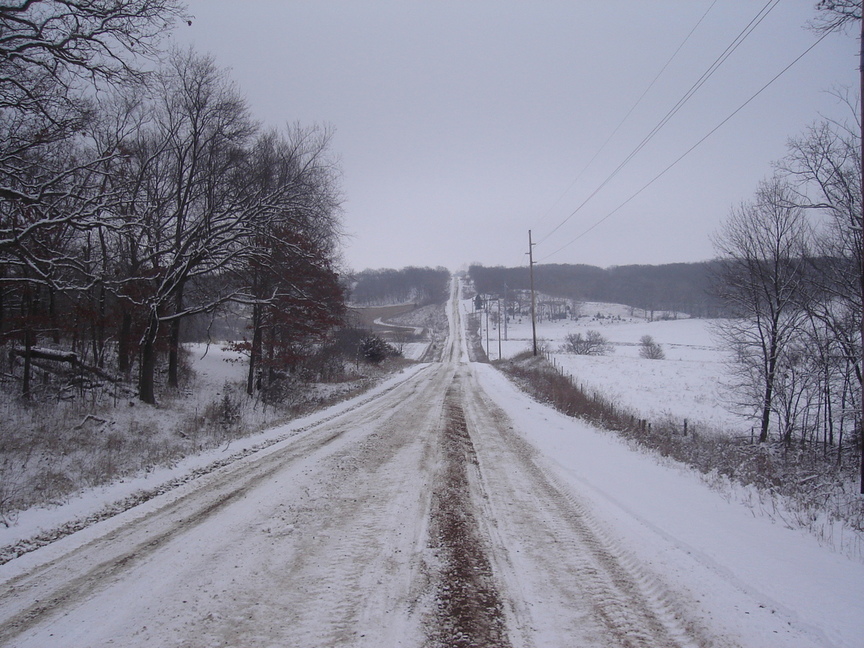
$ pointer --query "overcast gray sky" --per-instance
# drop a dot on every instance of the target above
(463, 124)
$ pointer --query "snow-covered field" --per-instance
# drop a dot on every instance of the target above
(214, 365)
(687, 384)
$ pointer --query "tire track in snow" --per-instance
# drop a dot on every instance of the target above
(17, 549)
(557, 560)
(356, 525)
(51, 587)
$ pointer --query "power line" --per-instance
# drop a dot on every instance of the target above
(627, 115)
(736, 42)
(690, 150)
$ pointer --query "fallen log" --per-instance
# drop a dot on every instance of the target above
(70, 357)
(46, 354)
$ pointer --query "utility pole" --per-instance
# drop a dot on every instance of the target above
(861, 235)
(499, 327)
(531, 273)
(505, 312)
(486, 299)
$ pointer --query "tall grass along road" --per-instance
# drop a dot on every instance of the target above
(422, 517)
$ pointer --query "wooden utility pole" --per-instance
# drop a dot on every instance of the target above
(531, 273)
(499, 327)
(486, 300)
(860, 246)
(506, 299)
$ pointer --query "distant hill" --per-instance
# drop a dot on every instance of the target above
(420, 286)
(682, 287)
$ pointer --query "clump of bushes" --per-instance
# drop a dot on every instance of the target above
(592, 343)
(374, 350)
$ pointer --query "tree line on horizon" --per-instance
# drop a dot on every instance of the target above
(678, 287)
(384, 286)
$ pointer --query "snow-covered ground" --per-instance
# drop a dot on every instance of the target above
(214, 369)
(427, 327)
(755, 581)
(323, 537)
(214, 365)
(217, 369)
(688, 384)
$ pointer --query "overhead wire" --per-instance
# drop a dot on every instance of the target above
(628, 113)
(730, 49)
(691, 149)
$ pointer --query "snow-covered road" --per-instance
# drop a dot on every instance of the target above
(428, 516)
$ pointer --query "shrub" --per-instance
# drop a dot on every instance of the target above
(375, 350)
(650, 350)
(592, 343)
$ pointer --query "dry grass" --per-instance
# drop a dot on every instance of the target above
(52, 450)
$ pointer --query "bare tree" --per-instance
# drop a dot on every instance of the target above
(287, 276)
(835, 14)
(191, 209)
(763, 248)
(53, 55)
(119, 221)
(825, 164)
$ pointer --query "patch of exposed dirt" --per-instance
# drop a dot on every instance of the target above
(469, 607)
